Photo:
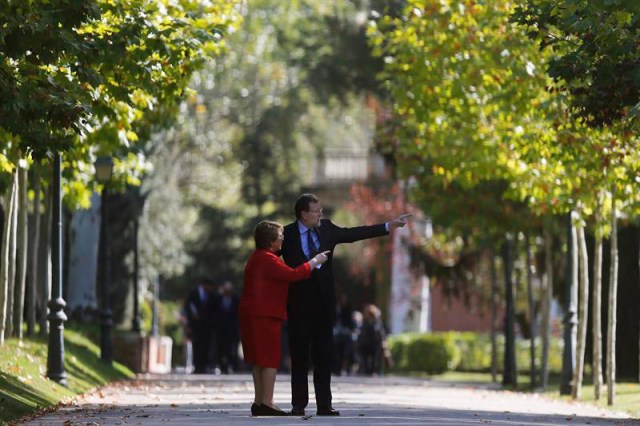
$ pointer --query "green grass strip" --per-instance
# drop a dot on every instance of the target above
(24, 389)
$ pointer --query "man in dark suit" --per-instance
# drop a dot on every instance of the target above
(311, 302)
(227, 329)
(200, 311)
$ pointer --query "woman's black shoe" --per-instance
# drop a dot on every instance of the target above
(265, 410)
(254, 409)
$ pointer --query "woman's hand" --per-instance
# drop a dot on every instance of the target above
(322, 257)
(319, 259)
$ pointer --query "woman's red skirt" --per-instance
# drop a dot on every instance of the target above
(261, 340)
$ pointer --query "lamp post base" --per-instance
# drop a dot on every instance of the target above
(55, 349)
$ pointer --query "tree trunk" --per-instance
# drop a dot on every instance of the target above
(44, 265)
(547, 297)
(613, 294)
(510, 377)
(4, 266)
(34, 236)
(596, 331)
(494, 309)
(532, 312)
(639, 334)
(11, 257)
(583, 312)
(21, 265)
(571, 289)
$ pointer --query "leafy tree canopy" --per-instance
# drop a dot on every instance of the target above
(90, 77)
(595, 54)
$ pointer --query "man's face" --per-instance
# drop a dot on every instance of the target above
(311, 218)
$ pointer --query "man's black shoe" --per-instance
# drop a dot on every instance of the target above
(297, 411)
(327, 412)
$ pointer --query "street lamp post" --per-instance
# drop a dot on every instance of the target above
(56, 317)
(509, 377)
(104, 170)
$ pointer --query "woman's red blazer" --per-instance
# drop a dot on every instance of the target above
(266, 282)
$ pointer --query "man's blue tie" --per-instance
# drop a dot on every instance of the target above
(313, 249)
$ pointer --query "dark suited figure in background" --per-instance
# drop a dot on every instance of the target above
(227, 329)
(343, 329)
(200, 311)
(311, 302)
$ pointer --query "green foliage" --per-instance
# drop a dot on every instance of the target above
(43, 102)
(146, 315)
(592, 63)
(436, 353)
(465, 83)
(467, 93)
(429, 353)
(243, 147)
(479, 125)
(329, 42)
(89, 78)
(398, 346)
(594, 53)
(171, 325)
(475, 351)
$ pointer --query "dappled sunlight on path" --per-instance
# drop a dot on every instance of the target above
(225, 400)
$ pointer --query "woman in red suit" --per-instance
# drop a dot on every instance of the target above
(263, 308)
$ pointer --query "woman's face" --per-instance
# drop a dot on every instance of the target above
(277, 244)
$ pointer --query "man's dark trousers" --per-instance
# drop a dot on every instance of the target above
(315, 327)
(311, 307)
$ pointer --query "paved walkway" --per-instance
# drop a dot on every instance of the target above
(225, 400)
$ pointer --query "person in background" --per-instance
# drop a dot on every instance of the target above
(343, 328)
(357, 324)
(227, 329)
(263, 308)
(200, 311)
(371, 341)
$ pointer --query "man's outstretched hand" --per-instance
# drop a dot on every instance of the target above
(400, 221)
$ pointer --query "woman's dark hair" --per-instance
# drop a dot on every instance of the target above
(302, 204)
(265, 233)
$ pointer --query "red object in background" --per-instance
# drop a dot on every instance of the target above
(451, 314)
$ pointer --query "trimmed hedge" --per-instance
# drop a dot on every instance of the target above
(431, 353)
(435, 353)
